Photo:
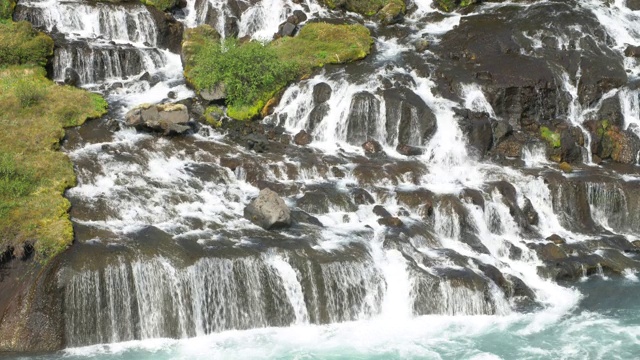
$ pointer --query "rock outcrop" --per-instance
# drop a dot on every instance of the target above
(169, 119)
(268, 211)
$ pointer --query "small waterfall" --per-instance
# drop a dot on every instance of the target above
(99, 64)
(77, 19)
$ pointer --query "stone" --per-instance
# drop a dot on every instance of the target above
(421, 45)
(71, 77)
(408, 150)
(321, 93)
(556, 239)
(566, 167)
(165, 118)
(361, 196)
(302, 138)
(287, 29)
(268, 211)
(391, 222)
(408, 118)
(316, 116)
(372, 147)
(217, 92)
(632, 51)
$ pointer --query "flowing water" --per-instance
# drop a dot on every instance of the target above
(166, 266)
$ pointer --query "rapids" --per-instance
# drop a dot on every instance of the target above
(166, 266)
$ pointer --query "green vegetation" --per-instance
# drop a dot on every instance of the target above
(6, 9)
(450, 5)
(33, 175)
(160, 4)
(385, 10)
(551, 137)
(21, 44)
(253, 73)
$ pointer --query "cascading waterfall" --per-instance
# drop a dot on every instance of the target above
(187, 264)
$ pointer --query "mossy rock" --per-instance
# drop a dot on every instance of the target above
(566, 167)
(551, 137)
(162, 5)
(387, 11)
(253, 74)
(213, 115)
(452, 5)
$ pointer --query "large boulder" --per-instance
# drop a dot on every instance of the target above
(268, 211)
(166, 118)
(170, 30)
(363, 118)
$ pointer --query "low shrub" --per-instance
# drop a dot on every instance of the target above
(21, 44)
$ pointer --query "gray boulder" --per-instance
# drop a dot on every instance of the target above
(165, 118)
(268, 211)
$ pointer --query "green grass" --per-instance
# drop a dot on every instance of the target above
(33, 174)
(253, 73)
(551, 137)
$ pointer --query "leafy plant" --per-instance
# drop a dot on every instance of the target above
(29, 93)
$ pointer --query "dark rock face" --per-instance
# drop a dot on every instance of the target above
(372, 147)
(409, 121)
(321, 93)
(363, 118)
(170, 30)
(32, 318)
(316, 115)
(71, 77)
(268, 211)
(478, 130)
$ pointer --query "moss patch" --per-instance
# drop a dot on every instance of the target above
(383, 9)
(451, 5)
(160, 4)
(253, 73)
(33, 175)
(551, 137)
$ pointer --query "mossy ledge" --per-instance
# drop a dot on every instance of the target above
(253, 73)
(451, 5)
(386, 11)
(33, 173)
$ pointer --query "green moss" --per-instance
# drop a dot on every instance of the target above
(6, 9)
(451, 5)
(33, 175)
(551, 137)
(21, 44)
(370, 8)
(319, 44)
(160, 4)
(253, 73)
(213, 115)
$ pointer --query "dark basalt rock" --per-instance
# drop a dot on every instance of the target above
(391, 221)
(316, 116)
(170, 30)
(408, 119)
(361, 196)
(478, 130)
(301, 217)
(372, 147)
(362, 118)
(321, 93)
(408, 150)
(71, 77)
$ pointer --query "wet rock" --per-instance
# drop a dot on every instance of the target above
(501, 129)
(565, 167)
(297, 17)
(510, 147)
(71, 77)
(170, 31)
(550, 252)
(316, 116)
(421, 45)
(301, 217)
(361, 196)
(172, 95)
(321, 93)
(609, 142)
(408, 150)
(633, 4)
(362, 119)
(632, 51)
(268, 211)
(477, 128)
(473, 196)
(531, 215)
(408, 119)
(324, 200)
(381, 211)
(165, 118)
(287, 29)
(372, 147)
(421, 201)
(302, 138)
(556, 239)
(391, 221)
(452, 5)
